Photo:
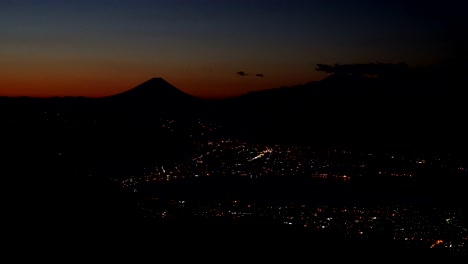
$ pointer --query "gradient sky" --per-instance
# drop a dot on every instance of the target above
(102, 47)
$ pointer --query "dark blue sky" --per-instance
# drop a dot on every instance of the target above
(96, 48)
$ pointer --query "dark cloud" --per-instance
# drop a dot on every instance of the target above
(259, 75)
(368, 68)
(241, 73)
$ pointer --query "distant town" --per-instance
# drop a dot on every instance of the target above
(415, 226)
(228, 157)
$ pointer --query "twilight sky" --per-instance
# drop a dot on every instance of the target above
(102, 47)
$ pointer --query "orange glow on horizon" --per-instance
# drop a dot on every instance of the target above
(214, 88)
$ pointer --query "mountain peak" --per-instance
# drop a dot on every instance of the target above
(156, 80)
(155, 83)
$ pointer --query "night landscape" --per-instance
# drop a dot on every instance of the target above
(254, 129)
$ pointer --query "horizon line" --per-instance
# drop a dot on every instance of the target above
(207, 98)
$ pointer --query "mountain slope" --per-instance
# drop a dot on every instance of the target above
(409, 111)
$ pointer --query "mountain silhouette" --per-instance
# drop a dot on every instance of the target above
(155, 96)
(154, 89)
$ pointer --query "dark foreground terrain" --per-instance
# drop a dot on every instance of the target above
(97, 217)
